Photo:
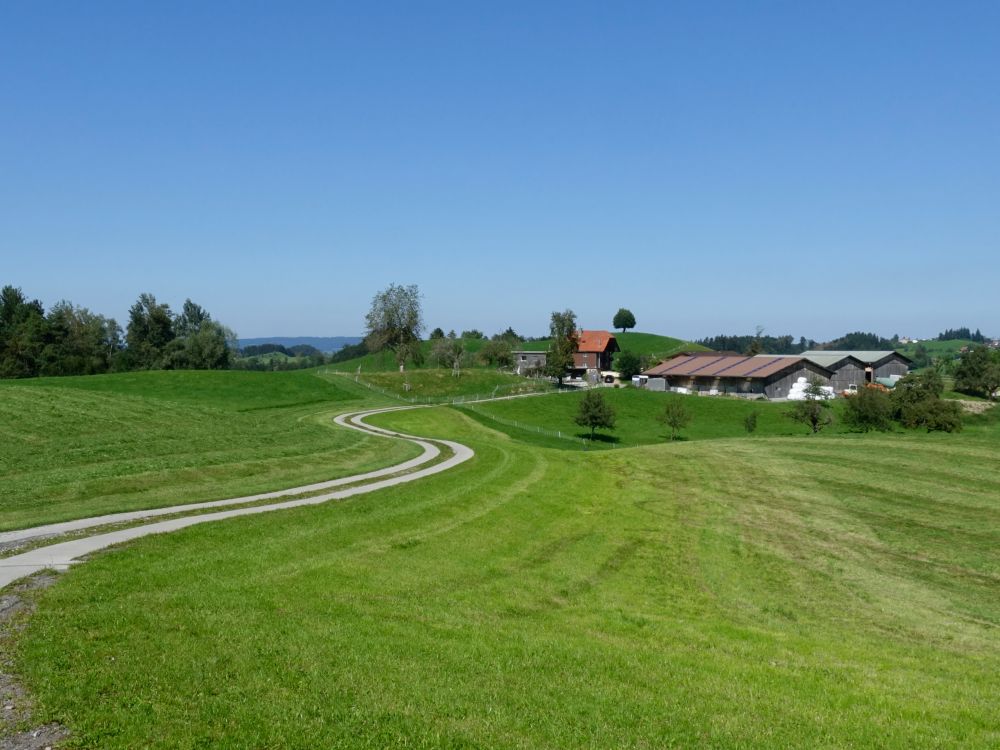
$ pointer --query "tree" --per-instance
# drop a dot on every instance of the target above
(916, 402)
(497, 353)
(150, 330)
(676, 416)
(595, 412)
(191, 319)
(437, 333)
(564, 338)
(510, 336)
(869, 409)
(623, 319)
(475, 333)
(628, 364)
(450, 352)
(395, 322)
(978, 372)
(814, 409)
(756, 345)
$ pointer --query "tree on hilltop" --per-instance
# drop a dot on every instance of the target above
(623, 319)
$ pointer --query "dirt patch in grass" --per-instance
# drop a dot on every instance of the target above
(15, 703)
(975, 407)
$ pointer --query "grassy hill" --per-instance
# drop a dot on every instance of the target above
(75, 447)
(438, 384)
(949, 348)
(385, 362)
(766, 592)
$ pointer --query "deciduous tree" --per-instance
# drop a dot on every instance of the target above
(623, 319)
(676, 416)
(594, 412)
(562, 347)
(395, 322)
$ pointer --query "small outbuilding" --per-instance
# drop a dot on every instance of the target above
(527, 363)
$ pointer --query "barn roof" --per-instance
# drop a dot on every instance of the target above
(594, 341)
(826, 357)
(725, 365)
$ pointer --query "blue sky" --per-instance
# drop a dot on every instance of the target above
(813, 168)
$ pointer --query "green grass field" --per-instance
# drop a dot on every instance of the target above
(636, 412)
(76, 447)
(726, 593)
(947, 348)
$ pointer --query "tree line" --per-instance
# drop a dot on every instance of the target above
(72, 340)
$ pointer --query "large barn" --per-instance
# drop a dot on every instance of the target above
(713, 374)
(855, 368)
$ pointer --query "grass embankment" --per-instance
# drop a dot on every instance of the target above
(385, 361)
(77, 447)
(637, 424)
(731, 593)
(441, 384)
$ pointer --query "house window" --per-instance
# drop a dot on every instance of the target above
(524, 357)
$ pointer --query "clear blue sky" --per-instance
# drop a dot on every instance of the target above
(810, 167)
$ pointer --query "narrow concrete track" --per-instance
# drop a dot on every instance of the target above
(61, 555)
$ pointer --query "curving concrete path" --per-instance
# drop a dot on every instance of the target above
(63, 554)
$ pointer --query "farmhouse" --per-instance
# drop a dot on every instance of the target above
(711, 373)
(594, 350)
(860, 367)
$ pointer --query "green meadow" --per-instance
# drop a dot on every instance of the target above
(778, 590)
(76, 447)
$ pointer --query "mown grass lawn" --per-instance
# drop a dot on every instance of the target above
(637, 422)
(77, 447)
(771, 592)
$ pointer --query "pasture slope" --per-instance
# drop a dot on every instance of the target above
(77, 447)
(733, 592)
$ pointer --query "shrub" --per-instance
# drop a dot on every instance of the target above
(869, 409)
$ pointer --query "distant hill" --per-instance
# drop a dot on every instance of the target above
(327, 344)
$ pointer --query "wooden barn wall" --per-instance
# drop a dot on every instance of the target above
(848, 374)
(777, 386)
(893, 366)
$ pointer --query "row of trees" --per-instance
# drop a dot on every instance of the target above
(963, 334)
(71, 340)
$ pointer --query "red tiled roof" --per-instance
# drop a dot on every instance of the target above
(594, 341)
(723, 366)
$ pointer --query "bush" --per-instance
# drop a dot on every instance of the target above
(869, 409)
(750, 422)
(916, 402)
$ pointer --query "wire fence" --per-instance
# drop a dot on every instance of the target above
(468, 402)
